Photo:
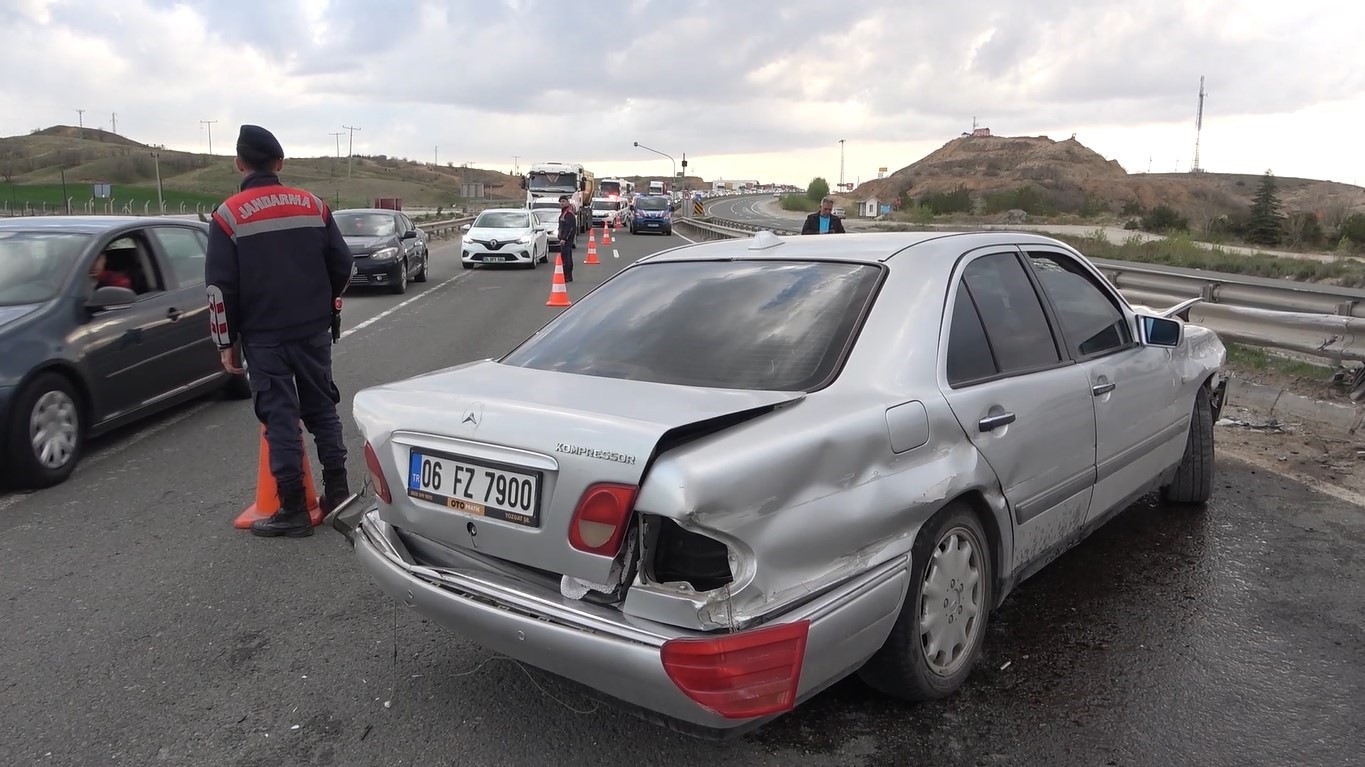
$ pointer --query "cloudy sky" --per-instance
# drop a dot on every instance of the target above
(746, 88)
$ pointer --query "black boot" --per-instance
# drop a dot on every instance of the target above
(291, 520)
(335, 489)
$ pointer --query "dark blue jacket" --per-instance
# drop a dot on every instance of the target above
(568, 225)
(276, 262)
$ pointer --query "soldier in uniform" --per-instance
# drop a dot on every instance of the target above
(277, 266)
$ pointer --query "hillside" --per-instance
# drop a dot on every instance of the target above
(1067, 177)
(34, 165)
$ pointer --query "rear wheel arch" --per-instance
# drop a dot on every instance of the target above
(976, 501)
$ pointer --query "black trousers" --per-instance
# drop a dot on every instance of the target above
(566, 251)
(291, 381)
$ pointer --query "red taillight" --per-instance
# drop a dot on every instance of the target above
(600, 521)
(381, 486)
(752, 673)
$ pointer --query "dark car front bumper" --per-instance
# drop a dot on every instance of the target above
(371, 272)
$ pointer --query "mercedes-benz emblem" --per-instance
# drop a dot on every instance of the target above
(470, 417)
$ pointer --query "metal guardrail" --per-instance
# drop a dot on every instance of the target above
(1306, 318)
(440, 230)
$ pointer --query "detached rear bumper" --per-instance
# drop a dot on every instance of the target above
(599, 647)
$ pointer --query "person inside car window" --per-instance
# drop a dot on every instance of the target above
(108, 277)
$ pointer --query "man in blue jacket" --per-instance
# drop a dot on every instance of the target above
(277, 266)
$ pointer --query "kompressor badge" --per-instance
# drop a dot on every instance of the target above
(588, 452)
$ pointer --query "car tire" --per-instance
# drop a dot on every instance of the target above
(901, 668)
(61, 406)
(466, 266)
(237, 387)
(401, 286)
(668, 232)
(422, 275)
(1193, 480)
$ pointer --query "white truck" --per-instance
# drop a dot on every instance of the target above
(547, 181)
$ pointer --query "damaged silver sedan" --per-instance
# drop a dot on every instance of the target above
(741, 470)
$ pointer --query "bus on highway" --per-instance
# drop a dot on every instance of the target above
(616, 188)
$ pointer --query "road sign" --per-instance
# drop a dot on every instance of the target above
(697, 208)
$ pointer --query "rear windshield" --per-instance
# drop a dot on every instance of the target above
(733, 325)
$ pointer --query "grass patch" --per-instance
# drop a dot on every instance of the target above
(799, 203)
(1251, 358)
(37, 195)
(1182, 252)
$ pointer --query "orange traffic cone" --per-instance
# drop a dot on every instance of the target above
(559, 294)
(617, 227)
(592, 238)
(592, 254)
(268, 495)
(606, 234)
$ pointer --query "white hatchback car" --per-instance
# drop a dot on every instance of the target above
(504, 236)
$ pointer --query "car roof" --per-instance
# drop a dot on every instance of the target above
(87, 224)
(390, 211)
(866, 247)
(504, 210)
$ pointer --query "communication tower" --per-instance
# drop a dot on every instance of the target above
(1198, 127)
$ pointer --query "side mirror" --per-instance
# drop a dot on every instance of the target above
(1159, 331)
(464, 227)
(410, 234)
(111, 297)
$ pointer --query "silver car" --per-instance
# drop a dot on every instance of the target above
(741, 470)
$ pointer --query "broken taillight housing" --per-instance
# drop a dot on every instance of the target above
(381, 486)
(601, 519)
(740, 676)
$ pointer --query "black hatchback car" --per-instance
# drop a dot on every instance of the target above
(103, 321)
(389, 248)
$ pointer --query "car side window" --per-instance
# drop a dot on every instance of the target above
(185, 251)
(127, 262)
(1011, 313)
(1089, 315)
(969, 352)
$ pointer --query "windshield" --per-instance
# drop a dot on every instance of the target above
(651, 203)
(606, 205)
(35, 266)
(727, 324)
(504, 219)
(547, 216)
(611, 187)
(553, 182)
(365, 224)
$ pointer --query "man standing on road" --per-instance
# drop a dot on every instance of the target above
(824, 222)
(276, 267)
(568, 232)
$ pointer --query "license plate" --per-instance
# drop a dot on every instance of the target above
(493, 259)
(475, 487)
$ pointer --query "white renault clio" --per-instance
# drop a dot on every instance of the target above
(504, 236)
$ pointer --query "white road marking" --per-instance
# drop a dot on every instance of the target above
(615, 253)
(401, 304)
(685, 237)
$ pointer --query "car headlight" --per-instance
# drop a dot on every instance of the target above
(525, 240)
(385, 254)
(467, 240)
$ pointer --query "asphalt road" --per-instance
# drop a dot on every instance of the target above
(140, 628)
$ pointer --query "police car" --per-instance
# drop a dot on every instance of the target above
(653, 213)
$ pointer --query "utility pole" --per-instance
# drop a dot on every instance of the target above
(209, 124)
(80, 121)
(350, 148)
(338, 136)
(516, 165)
(160, 201)
(113, 123)
(436, 156)
(1198, 127)
(841, 165)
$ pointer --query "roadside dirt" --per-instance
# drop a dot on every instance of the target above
(1299, 450)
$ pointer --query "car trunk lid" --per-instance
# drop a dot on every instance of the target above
(495, 458)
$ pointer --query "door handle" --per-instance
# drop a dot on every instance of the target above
(173, 313)
(1102, 389)
(993, 422)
